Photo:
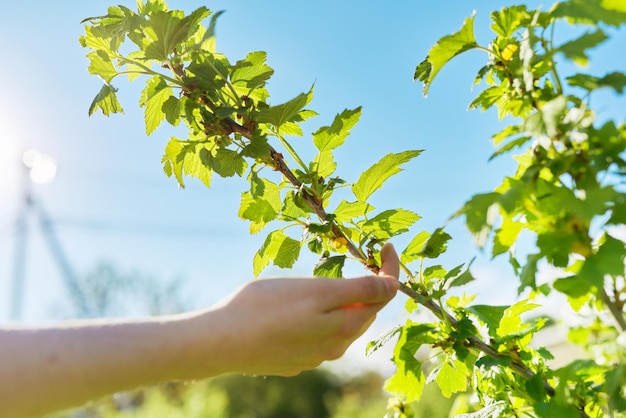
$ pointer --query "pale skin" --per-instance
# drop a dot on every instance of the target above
(267, 327)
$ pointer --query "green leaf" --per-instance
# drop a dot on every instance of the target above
(611, 12)
(330, 267)
(613, 386)
(288, 253)
(511, 322)
(251, 72)
(496, 409)
(528, 274)
(171, 163)
(389, 223)
(374, 177)
(414, 250)
(172, 108)
(487, 98)
(346, 211)
(225, 162)
(512, 144)
(257, 210)
(463, 278)
(278, 115)
(100, 64)
(479, 217)
(426, 245)
(614, 80)
(608, 260)
(373, 346)
(153, 98)
(279, 248)
(446, 48)
(506, 235)
(99, 38)
(509, 20)
(183, 158)
(106, 101)
(452, 377)
(576, 50)
(436, 244)
(166, 30)
(330, 137)
(489, 315)
(324, 164)
(408, 380)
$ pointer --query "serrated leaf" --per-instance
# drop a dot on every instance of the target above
(171, 162)
(106, 101)
(288, 252)
(373, 346)
(347, 211)
(506, 235)
(452, 377)
(252, 72)
(496, 409)
(512, 144)
(374, 177)
(509, 20)
(389, 223)
(225, 162)
(436, 244)
(100, 64)
(171, 108)
(576, 50)
(511, 322)
(611, 12)
(408, 380)
(446, 48)
(331, 267)
(279, 114)
(257, 210)
(414, 249)
(489, 315)
(614, 80)
(182, 158)
(463, 278)
(278, 248)
(330, 137)
(528, 274)
(324, 164)
(478, 216)
(290, 209)
(153, 97)
(487, 98)
(165, 30)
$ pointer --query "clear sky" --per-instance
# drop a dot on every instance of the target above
(111, 201)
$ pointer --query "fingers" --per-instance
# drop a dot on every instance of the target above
(390, 262)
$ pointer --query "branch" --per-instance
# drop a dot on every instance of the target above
(316, 205)
(617, 313)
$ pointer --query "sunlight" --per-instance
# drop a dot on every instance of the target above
(42, 167)
(9, 160)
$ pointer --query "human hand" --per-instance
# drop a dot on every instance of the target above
(284, 326)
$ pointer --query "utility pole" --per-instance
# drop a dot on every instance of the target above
(21, 241)
(40, 168)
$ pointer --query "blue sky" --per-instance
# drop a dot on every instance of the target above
(111, 201)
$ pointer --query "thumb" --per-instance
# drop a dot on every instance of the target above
(390, 262)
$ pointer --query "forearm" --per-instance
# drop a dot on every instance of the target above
(47, 369)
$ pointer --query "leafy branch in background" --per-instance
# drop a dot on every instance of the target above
(565, 191)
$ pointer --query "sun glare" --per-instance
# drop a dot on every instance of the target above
(42, 167)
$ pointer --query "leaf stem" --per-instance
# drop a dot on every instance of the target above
(292, 152)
